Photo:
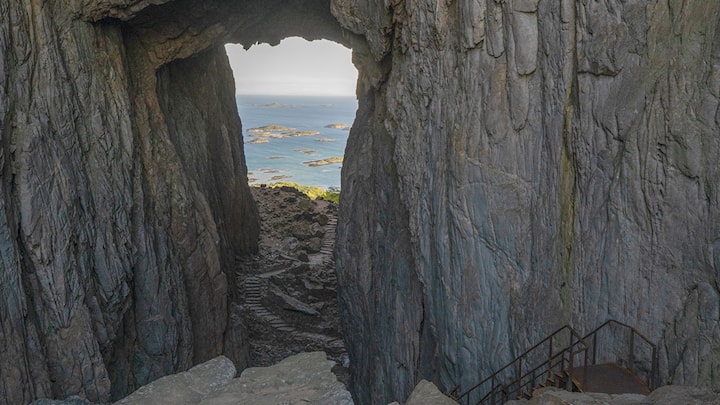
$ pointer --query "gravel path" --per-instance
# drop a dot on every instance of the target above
(288, 292)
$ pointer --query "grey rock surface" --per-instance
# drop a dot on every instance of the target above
(678, 394)
(114, 248)
(426, 393)
(304, 378)
(555, 396)
(300, 379)
(186, 388)
(520, 165)
(293, 304)
(666, 395)
(72, 400)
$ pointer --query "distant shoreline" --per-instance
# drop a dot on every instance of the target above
(296, 138)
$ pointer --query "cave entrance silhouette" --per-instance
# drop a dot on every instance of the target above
(183, 43)
(296, 102)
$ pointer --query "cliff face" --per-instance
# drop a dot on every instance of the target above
(124, 198)
(514, 166)
(525, 164)
(113, 244)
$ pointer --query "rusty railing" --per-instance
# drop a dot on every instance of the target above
(547, 361)
(624, 345)
(562, 351)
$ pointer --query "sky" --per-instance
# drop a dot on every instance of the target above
(294, 67)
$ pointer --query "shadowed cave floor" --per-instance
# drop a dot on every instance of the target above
(288, 291)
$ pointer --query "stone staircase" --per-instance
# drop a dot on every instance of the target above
(328, 244)
(252, 289)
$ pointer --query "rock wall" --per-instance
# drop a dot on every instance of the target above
(113, 248)
(124, 199)
(523, 164)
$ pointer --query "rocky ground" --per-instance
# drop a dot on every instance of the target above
(288, 292)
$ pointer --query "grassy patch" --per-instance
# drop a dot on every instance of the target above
(331, 194)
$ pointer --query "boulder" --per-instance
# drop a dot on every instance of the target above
(186, 388)
(73, 400)
(666, 395)
(302, 378)
(679, 394)
(426, 393)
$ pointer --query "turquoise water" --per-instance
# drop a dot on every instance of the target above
(285, 159)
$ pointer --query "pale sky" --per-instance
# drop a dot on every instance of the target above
(294, 67)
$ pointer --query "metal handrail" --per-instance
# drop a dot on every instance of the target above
(575, 339)
(653, 377)
(558, 359)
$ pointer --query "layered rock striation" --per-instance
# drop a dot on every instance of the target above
(519, 165)
(514, 166)
(124, 198)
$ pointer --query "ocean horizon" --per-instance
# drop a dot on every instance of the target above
(295, 138)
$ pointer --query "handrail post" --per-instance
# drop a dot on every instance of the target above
(519, 374)
(654, 370)
(585, 365)
(594, 352)
(568, 384)
(549, 373)
(532, 384)
(492, 390)
(631, 356)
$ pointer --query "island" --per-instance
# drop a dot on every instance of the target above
(323, 162)
(338, 126)
(300, 133)
(305, 151)
(270, 128)
(257, 140)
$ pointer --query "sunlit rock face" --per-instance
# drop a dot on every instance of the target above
(514, 166)
(519, 165)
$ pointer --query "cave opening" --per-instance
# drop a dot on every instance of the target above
(277, 304)
(296, 102)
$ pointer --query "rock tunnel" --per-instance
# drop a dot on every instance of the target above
(514, 166)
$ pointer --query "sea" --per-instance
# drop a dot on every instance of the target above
(300, 139)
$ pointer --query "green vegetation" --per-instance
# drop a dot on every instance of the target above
(331, 194)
